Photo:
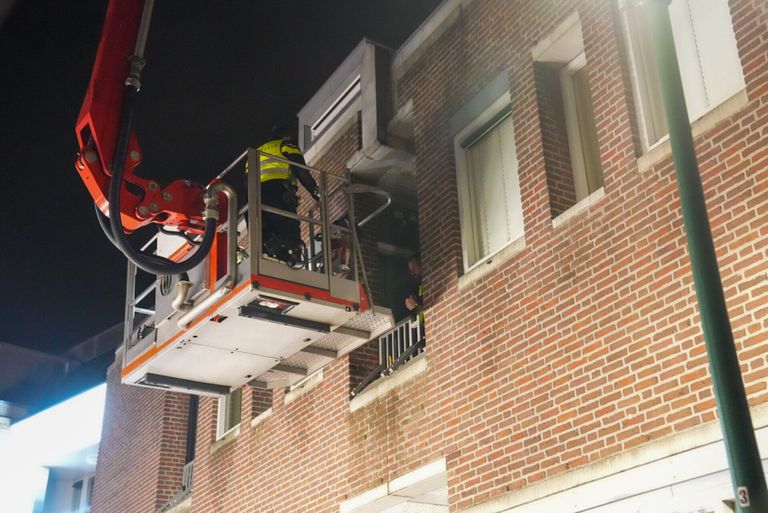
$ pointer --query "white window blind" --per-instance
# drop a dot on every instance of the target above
(77, 495)
(494, 190)
(706, 50)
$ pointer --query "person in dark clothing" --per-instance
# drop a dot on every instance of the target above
(415, 298)
(414, 303)
(281, 236)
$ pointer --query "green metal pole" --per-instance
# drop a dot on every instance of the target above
(744, 459)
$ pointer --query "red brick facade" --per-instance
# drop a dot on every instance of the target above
(142, 448)
(583, 345)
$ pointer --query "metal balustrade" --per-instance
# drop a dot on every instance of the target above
(396, 347)
(186, 479)
(186, 489)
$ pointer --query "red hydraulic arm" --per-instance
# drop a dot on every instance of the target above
(142, 201)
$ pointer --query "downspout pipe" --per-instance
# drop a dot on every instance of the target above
(211, 198)
(746, 470)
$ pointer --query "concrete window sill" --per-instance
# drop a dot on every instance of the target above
(379, 388)
(491, 263)
(184, 506)
(225, 439)
(663, 149)
(261, 417)
(579, 208)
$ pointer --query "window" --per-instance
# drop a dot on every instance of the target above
(82, 495)
(580, 123)
(77, 495)
(89, 495)
(489, 188)
(706, 50)
(566, 118)
(230, 408)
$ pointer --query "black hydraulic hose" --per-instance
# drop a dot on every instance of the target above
(149, 263)
(108, 234)
(104, 225)
(184, 235)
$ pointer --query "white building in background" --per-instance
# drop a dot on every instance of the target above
(47, 461)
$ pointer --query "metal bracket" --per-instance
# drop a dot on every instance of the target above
(254, 312)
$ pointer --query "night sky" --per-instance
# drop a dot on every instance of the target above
(219, 74)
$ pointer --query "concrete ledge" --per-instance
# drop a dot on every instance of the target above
(491, 263)
(584, 205)
(261, 417)
(382, 386)
(303, 387)
(184, 506)
(432, 473)
(663, 149)
(364, 499)
(648, 453)
(226, 439)
(333, 133)
(399, 490)
(553, 38)
(428, 32)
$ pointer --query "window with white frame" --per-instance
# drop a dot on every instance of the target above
(230, 408)
(706, 49)
(566, 117)
(77, 495)
(489, 187)
(82, 495)
(580, 124)
(89, 495)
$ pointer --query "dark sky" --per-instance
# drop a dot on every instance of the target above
(219, 74)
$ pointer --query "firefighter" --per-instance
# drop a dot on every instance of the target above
(414, 300)
(414, 303)
(281, 235)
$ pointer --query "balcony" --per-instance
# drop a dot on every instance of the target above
(396, 347)
(182, 501)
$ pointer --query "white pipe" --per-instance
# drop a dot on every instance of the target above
(231, 195)
(226, 287)
(204, 305)
(180, 303)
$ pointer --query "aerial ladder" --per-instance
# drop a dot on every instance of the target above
(224, 313)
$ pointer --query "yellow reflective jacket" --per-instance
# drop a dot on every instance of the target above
(274, 169)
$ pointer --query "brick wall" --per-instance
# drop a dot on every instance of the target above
(260, 401)
(587, 343)
(362, 362)
(582, 346)
(310, 454)
(142, 448)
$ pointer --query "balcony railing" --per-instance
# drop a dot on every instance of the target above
(396, 347)
(186, 488)
(186, 477)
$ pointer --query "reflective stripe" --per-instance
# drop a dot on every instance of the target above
(272, 169)
(290, 149)
(265, 177)
(420, 292)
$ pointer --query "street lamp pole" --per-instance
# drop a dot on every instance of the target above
(746, 469)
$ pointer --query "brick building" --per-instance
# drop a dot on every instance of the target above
(564, 367)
